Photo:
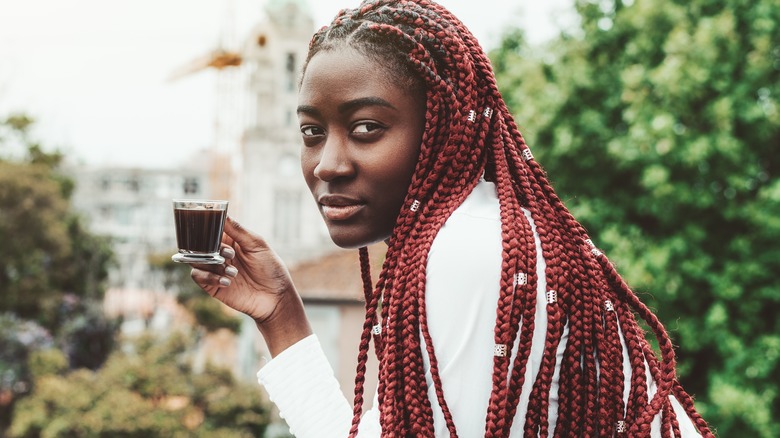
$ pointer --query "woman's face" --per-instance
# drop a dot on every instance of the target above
(361, 138)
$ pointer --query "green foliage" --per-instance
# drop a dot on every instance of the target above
(47, 362)
(27, 350)
(52, 270)
(86, 335)
(209, 313)
(659, 124)
(33, 236)
(46, 252)
(148, 391)
(19, 339)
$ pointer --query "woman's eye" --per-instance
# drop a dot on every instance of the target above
(365, 127)
(309, 131)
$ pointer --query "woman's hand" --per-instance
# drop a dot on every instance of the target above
(255, 281)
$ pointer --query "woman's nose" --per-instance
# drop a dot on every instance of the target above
(334, 161)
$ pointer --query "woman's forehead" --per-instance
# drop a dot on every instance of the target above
(345, 69)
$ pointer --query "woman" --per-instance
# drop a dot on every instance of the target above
(498, 315)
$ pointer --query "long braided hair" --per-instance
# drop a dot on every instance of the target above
(469, 134)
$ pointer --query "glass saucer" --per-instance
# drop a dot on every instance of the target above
(201, 259)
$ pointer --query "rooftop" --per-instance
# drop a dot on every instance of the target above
(336, 276)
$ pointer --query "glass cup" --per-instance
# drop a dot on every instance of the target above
(199, 225)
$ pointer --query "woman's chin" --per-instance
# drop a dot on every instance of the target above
(353, 240)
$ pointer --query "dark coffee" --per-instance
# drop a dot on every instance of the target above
(199, 230)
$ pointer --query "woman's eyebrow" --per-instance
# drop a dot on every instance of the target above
(348, 106)
(308, 109)
(364, 102)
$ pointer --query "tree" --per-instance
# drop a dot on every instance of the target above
(18, 340)
(659, 124)
(47, 252)
(148, 391)
(52, 270)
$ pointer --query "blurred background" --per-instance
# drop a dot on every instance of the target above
(658, 122)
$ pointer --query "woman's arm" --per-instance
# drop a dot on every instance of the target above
(301, 384)
(299, 379)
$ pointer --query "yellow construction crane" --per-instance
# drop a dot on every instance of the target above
(218, 59)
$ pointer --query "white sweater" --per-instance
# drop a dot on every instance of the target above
(463, 278)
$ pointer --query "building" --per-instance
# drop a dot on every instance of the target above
(274, 199)
(133, 207)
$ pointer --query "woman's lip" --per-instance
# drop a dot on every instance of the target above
(340, 212)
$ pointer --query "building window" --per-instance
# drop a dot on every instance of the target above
(325, 320)
(133, 184)
(190, 186)
(289, 118)
(287, 216)
(124, 215)
(290, 71)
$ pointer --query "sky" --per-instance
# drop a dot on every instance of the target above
(95, 74)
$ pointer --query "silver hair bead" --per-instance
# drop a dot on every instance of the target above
(415, 205)
(609, 306)
(521, 278)
(593, 250)
(377, 329)
(527, 155)
(488, 112)
(472, 116)
(621, 427)
(552, 296)
(500, 350)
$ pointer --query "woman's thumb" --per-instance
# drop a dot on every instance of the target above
(248, 240)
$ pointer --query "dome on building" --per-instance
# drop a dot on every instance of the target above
(277, 4)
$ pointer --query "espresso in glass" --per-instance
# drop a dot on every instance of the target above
(199, 225)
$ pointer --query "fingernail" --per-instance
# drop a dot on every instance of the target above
(228, 252)
(224, 281)
(231, 271)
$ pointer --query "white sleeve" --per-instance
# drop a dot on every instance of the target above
(687, 428)
(300, 382)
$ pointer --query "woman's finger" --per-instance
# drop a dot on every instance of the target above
(228, 252)
(231, 271)
(222, 269)
(217, 269)
(208, 280)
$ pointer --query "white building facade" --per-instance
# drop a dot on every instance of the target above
(133, 207)
(274, 199)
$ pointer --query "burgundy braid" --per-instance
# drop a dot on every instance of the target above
(524, 304)
(368, 325)
(423, 44)
(508, 309)
(638, 396)
(687, 403)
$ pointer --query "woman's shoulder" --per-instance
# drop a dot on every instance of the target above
(474, 228)
(482, 203)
